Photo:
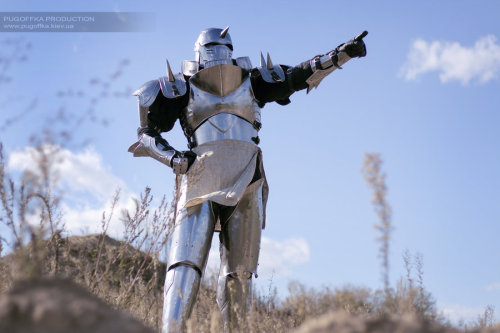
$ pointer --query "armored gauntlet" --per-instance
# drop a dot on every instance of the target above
(152, 144)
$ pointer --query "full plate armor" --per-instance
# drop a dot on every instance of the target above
(221, 184)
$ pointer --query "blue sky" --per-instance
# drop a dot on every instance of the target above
(425, 97)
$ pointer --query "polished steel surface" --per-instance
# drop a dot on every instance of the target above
(216, 62)
(240, 245)
(179, 295)
(213, 47)
(191, 237)
(220, 80)
(269, 72)
(325, 61)
(328, 65)
(147, 146)
(225, 126)
(240, 235)
(223, 33)
(147, 93)
(212, 36)
(212, 54)
(244, 62)
(204, 104)
(190, 67)
(180, 165)
(143, 114)
(233, 295)
(173, 89)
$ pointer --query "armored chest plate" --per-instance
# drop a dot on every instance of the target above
(220, 89)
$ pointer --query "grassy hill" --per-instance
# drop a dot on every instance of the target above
(131, 281)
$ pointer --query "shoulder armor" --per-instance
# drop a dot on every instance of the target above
(269, 72)
(147, 93)
(190, 68)
(244, 62)
(175, 88)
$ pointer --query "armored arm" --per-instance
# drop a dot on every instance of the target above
(158, 113)
(154, 145)
(323, 65)
(275, 83)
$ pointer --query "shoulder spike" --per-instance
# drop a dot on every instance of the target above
(269, 63)
(171, 77)
(224, 32)
(262, 60)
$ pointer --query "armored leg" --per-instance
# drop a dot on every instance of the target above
(187, 256)
(240, 244)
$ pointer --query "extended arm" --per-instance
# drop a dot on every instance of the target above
(307, 74)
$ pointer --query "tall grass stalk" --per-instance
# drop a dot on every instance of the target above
(372, 170)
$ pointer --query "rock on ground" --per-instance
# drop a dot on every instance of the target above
(57, 306)
(342, 322)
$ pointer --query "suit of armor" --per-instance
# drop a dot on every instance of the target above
(221, 184)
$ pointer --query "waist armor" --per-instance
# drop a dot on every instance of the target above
(221, 106)
(224, 126)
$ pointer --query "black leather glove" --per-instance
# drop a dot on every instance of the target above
(353, 48)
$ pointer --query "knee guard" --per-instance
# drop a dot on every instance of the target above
(187, 255)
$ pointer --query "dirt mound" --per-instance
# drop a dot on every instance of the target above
(57, 306)
(342, 322)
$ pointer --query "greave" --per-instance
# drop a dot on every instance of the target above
(233, 294)
(181, 287)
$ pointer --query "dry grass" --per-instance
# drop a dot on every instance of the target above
(128, 274)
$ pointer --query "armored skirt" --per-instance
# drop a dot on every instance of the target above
(222, 173)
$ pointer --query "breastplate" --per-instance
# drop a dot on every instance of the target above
(221, 89)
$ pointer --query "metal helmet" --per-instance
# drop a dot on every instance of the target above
(213, 46)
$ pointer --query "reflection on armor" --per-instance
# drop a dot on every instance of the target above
(213, 36)
(181, 288)
(244, 62)
(191, 237)
(189, 245)
(147, 93)
(222, 186)
(220, 89)
(324, 65)
(147, 146)
(213, 47)
(173, 87)
(240, 244)
(270, 73)
(225, 126)
(190, 68)
(240, 235)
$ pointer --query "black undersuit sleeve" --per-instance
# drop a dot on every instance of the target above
(295, 80)
(164, 112)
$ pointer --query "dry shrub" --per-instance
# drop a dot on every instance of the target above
(129, 275)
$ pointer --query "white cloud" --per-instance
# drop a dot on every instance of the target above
(280, 257)
(457, 313)
(81, 173)
(452, 61)
(276, 258)
(88, 184)
(493, 286)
